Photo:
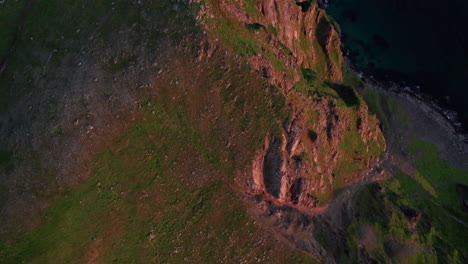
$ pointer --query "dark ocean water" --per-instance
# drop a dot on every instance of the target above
(420, 42)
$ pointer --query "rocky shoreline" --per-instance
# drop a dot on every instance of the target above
(428, 120)
(414, 93)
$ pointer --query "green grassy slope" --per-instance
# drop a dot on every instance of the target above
(164, 191)
(433, 195)
(416, 218)
(158, 195)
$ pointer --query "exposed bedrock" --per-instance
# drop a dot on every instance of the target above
(327, 141)
(308, 161)
(303, 35)
(296, 174)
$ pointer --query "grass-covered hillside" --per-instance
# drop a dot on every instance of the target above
(164, 190)
(154, 131)
(417, 218)
(160, 186)
(419, 214)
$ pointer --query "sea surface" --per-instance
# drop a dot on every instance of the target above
(418, 43)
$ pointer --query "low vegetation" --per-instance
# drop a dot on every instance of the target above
(164, 190)
(155, 196)
(421, 213)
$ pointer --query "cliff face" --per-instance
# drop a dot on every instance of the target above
(328, 139)
(288, 35)
(308, 32)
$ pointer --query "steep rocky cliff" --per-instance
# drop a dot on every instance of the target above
(328, 139)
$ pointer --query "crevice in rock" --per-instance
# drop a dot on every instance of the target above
(359, 123)
(272, 168)
(293, 133)
(297, 162)
(296, 190)
(332, 119)
(305, 5)
(323, 32)
(312, 135)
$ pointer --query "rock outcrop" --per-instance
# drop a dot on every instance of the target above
(290, 34)
(329, 139)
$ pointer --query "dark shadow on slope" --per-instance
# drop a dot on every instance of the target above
(296, 190)
(272, 168)
(323, 32)
(346, 93)
(312, 135)
(305, 5)
(254, 26)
